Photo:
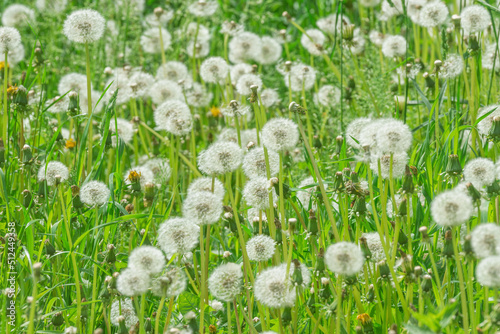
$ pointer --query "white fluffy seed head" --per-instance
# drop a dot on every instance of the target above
(201, 8)
(53, 172)
(256, 193)
(488, 272)
(132, 282)
(480, 172)
(394, 46)
(220, 158)
(485, 124)
(163, 90)
(73, 82)
(140, 84)
(260, 248)
(14, 55)
(148, 259)
(172, 70)
(274, 289)
(150, 40)
(198, 96)
(160, 168)
(269, 97)
(451, 208)
(433, 14)
(474, 18)
(173, 116)
(202, 207)
(305, 195)
(123, 128)
(17, 15)
(485, 240)
(344, 258)
(84, 26)
(178, 236)
(10, 39)
(238, 70)
(354, 130)
(280, 134)
(399, 162)
(127, 311)
(254, 163)
(333, 23)
(225, 282)
(374, 245)
(172, 283)
(394, 136)
(246, 81)
(94, 193)
(452, 67)
(244, 46)
(270, 51)
(51, 6)
(327, 96)
(313, 41)
(205, 184)
(214, 70)
(300, 77)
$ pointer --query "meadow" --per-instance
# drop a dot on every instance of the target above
(261, 166)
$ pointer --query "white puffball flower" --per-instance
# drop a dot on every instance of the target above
(226, 281)
(304, 196)
(256, 193)
(244, 46)
(452, 66)
(172, 70)
(354, 130)
(488, 272)
(205, 184)
(52, 171)
(269, 97)
(123, 308)
(220, 158)
(394, 46)
(254, 163)
(274, 289)
(327, 96)
(374, 245)
(203, 208)
(94, 193)
(394, 136)
(399, 162)
(260, 248)
(333, 23)
(480, 172)
(214, 70)
(176, 283)
(17, 15)
(246, 81)
(148, 259)
(451, 208)
(163, 90)
(76, 82)
(485, 240)
(173, 116)
(178, 236)
(10, 39)
(280, 134)
(202, 8)
(344, 258)
(301, 77)
(123, 128)
(150, 40)
(433, 14)
(484, 126)
(474, 18)
(132, 282)
(313, 41)
(140, 84)
(238, 70)
(198, 96)
(14, 55)
(270, 51)
(51, 6)
(160, 168)
(84, 26)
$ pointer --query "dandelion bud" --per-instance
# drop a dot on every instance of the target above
(313, 223)
(366, 322)
(437, 65)
(358, 330)
(417, 271)
(57, 319)
(426, 283)
(468, 248)
(20, 98)
(121, 323)
(158, 11)
(26, 198)
(400, 102)
(408, 186)
(37, 270)
(226, 254)
(27, 154)
(338, 183)
(429, 83)
(456, 21)
(473, 44)
(453, 167)
(149, 193)
(340, 142)
(74, 104)
(364, 248)
(348, 32)
(288, 66)
(494, 132)
(110, 256)
(370, 295)
(423, 231)
(448, 245)
(320, 261)
(383, 269)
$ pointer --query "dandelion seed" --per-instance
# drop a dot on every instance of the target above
(84, 26)
(17, 15)
(451, 208)
(394, 46)
(94, 193)
(474, 18)
(132, 282)
(172, 283)
(220, 158)
(480, 172)
(178, 236)
(127, 311)
(53, 172)
(202, 207)
(150, 40)
(256, 193)
(260, 248)
(254, 163)
(344, 258)
(214, 70)
(274, 289)
(280, 134)
(147, 259)
(226, 281)
(205, 184)
(313, 41)
(488, 272)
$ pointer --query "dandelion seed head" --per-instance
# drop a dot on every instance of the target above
(485, 124)
(203, 8)
(198, 49)
(488, 272)
(244, 46)
(354, 130)
(260, 248)
(178, 236)
(176, 283)
(238, 70)
(52, 171)
(480, 172)
(270, 51)
(280, 134)
(489, 57)
(172, 70)
(123, 128)
(205, 184)
(51, 6)
(17, 15)
(14, 55)
(246, 81)
(256, 193)
(376, 37)
(485, 240)
(133, 7)
(344, 258)
(94, 193)
(220, 158)
(333, 23)
(433, 14)
(451, 208)
(127, 311)
(202, 207)
(198, 96)
(254, 163)
(269, 97)
(327, 96)
(150, 40)
(84, 26)
(369, 3)
(313, 41)
(121, 82)
(148, 259)
(394, 46)
(374, 245)
(173, 116)
(394, 136)
(132, 282)
(452, 67)
(274, 289)
(140, 83)
(305, 195)
(399, 162)
(300, 77)
(214, 70)
(163, 90)
(145, 175)
(474, 18)
(73, 82)
(160, 168)
(226, 281)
